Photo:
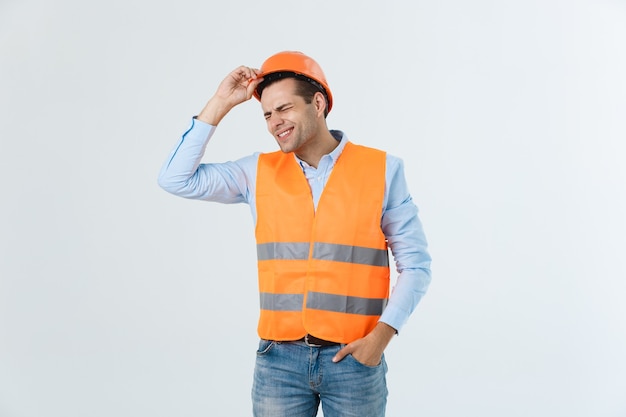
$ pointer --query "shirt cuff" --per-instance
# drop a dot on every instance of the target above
(394, 317)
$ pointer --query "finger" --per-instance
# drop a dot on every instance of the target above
(252, 85)
(241, 73)
(249, 73)
(343, 352)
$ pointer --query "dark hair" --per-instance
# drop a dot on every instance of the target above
(305, 87)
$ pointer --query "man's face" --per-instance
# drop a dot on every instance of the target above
(292, 122)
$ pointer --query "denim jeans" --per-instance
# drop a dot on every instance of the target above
(291, 379)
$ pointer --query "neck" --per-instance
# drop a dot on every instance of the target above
(319, 147)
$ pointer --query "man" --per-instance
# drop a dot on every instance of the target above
(322, 241)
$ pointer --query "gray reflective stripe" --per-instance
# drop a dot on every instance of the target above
(352, 254)
(281, 302)
(323, 251)
(346, 304)
(283, 250)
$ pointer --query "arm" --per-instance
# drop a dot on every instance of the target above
(182, 173)
(407, 241)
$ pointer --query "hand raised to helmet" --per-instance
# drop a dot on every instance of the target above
(237, 87)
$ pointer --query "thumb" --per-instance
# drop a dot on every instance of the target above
(343, 352)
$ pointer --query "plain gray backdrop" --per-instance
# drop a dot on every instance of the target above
(118, 299)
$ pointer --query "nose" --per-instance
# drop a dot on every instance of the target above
(273, 121)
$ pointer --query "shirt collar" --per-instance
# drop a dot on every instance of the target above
(335, 153)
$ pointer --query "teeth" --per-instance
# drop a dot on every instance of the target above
(284, 133)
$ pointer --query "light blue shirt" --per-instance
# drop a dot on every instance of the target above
(184, 175)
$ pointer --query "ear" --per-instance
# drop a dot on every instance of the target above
(320, 103)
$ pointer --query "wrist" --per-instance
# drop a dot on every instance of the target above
(383, 333)
(213, 112)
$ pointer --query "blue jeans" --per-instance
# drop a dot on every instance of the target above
(291, 379)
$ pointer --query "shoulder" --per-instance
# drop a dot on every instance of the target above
(394, 162)
(362, 149)
(271, 157)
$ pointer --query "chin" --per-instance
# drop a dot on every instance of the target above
(284, 148)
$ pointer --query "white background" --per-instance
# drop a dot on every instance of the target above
(118, 299)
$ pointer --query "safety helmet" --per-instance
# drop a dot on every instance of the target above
(295, 64)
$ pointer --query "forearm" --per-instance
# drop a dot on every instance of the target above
(410, 287)
(214, 111)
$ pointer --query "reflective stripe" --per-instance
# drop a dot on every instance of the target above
(323, 251)
(351, 254)
(281, 302)
(280, 250)
(346, 304)
(323, 301)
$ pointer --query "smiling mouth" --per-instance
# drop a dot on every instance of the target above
(285, 133)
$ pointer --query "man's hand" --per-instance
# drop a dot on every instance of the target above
(236, 88)
(369, 349)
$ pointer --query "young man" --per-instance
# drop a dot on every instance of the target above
(322, 241)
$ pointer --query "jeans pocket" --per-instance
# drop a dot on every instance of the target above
(265, 346)
(356, 361)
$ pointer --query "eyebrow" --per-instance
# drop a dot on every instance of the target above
(279, 108)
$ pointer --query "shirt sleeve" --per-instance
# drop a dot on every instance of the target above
(184, 175)
(407, 241)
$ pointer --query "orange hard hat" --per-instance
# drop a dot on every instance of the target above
(294, 62)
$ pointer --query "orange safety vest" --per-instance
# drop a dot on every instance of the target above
(323, 272)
